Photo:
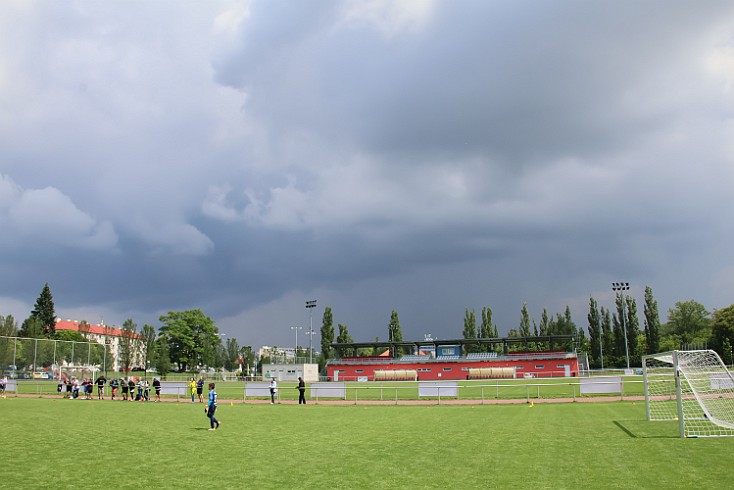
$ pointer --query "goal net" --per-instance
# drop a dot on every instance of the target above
(700, 397)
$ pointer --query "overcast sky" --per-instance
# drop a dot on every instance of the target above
(244, 157)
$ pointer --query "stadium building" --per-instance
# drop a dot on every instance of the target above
(453, 360)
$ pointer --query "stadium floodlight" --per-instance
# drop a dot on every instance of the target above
(693, 387)
(310, 305)
(623, 286)
(295, 351)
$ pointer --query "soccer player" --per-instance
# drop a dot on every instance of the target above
(157, 387)
(192, 388)
(114, 384)
(273, 390)
(211, 407)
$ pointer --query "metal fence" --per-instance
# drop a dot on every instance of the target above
(32, 358)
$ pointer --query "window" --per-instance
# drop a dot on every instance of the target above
(540, 366)
(447, 369)
(519, 367)
(360, 371)
(424, 370)
(562, 366)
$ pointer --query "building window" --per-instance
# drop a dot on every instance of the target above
(447, 369)
(424, 370)
(360, 371)
(540, 366)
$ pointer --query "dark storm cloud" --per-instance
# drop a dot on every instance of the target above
(422, 156)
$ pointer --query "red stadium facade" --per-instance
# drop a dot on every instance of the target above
(523, 365)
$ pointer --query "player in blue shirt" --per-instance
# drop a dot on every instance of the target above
(211, 407)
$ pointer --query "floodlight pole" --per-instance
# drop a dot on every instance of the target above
(623, 286)
(310, 305)
(295, 351)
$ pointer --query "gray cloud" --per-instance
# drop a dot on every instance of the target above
(422, 156)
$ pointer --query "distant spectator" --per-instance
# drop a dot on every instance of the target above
(123, 382)
(100, 386)
(146, 390)
(3, 385)
(192, 389)
(114, 385)
(200, 389)
(273, 390)
(131, 387)
(74, 388)
(301, 391)
(157, 388)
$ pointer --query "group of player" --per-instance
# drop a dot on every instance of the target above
(71, 386)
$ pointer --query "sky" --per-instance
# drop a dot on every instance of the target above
(244, 157)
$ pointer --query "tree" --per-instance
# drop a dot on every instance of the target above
(44, 311)
(633, 328)
(233, 353)
(327, 333)
(395, 334)
(690, 321)
(722, 331)
(8, 326)
(652, 322)
(595, 332)
(470, 330)
(162, 358)
(128, 344)
(190, 334)
(147, 339)
(607, 335)
(486, 331)
(524, 321)
(32, 327)
(344, 338)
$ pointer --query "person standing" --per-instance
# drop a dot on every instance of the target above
(211, 407)
(192, 389)
(200, 389)
(157, 388)
(3, 385)
(301, 391)
(100, 382)
(114, 384)
(273, 390)
(131, 387)
(123, 382)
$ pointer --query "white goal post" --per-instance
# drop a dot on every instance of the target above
(693, 387)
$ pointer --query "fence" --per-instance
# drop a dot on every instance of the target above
(31, 358)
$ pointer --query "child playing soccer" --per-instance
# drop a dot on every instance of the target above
(211, 407)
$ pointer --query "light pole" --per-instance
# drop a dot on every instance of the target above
(623, 286)
(295, 351)
(310, 305)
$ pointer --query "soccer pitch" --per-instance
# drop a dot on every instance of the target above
(63, 443)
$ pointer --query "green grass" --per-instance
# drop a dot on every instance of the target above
(91, 444)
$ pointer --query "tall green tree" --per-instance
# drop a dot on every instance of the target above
(233, 353)
(32, 327)
(524, 321)
(607, 334)
(470, 330)
(190, 334)
(327, 333)
(8, 326)
(44, 311)
(162, 356)
(486, 330)
(633, 329)
(722, 331)
(344, 338)
(128, 344)
(395, 334)
(652, 322)
(594, 332)
(690, 322)
(147, 340)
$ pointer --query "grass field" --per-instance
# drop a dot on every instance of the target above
(92, 444)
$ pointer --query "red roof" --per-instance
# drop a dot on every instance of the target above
(96, 329)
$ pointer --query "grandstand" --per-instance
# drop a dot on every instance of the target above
(452, 363)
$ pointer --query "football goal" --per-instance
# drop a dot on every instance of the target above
(693, 387)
